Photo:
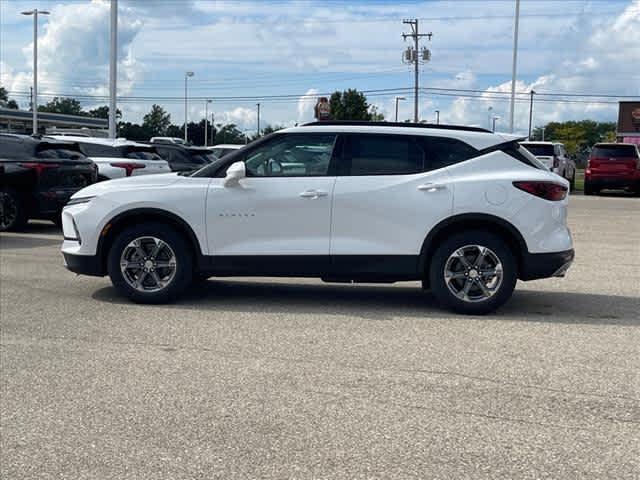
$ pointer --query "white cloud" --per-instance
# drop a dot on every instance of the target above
(306, 104)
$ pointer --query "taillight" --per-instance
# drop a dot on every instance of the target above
(39, 167)
(588, 169)
(547, 190)
(128, 166)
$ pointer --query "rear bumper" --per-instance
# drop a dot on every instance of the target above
(612, 182)
(84, 264)
(545, 265)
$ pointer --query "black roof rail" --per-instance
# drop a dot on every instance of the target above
(398, 124)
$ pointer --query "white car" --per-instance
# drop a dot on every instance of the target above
(555, 157)
(119, 158)
(224, 148)
(463, 210)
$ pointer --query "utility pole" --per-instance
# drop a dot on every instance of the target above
(258, 105)
(113, 69)
(186, 115)
(34, 95)
(437, 117)
(495, 117)
(31, 98)
(513, 71)
(206, 117)
(398, 98)
(532, 93)
(412, 56)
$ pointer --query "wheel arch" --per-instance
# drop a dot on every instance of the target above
(132, 217)
(471, 221)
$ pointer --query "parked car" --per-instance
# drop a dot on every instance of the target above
(37, 177)
(185, 159)
(118, 158)
(555, 158)
(465, 211)
(613, 166)
(169, 140)
(224, 148)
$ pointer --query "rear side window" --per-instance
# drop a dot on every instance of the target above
(384, 155)
(140, 153)
(96, 150)
(60, 153)
(442, 151)
(614, 151)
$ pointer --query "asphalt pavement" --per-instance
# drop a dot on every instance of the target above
(288, 378)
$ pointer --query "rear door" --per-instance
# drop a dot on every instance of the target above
(388, 195)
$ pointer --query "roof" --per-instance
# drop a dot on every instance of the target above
(110, 142)
(476, 137)
(537, 142)
(227, 145)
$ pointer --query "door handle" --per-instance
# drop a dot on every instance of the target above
(313, 194)
(432, 187)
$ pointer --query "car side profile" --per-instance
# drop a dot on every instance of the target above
(119, 158)
(463, 210)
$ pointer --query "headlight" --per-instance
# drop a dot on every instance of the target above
(76, 201)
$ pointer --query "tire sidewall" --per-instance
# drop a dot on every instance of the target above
(485, 239)
(184, 262)
(21, 216)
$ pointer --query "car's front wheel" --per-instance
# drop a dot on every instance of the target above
(473, 272)
(150, 263)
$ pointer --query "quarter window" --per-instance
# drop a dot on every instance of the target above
(303, 155)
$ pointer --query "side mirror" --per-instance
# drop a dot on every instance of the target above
(235, 173)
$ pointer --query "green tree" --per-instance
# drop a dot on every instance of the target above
(349, 105)
(65, 105)
(133, 131)
(229, 133)
(103, 112)
(157, 121)
(5, 102)
(375, 115)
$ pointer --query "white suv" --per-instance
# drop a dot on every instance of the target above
(463, 210)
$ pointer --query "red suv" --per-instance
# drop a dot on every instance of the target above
(613, 165)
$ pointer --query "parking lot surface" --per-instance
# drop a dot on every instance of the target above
(272, 378)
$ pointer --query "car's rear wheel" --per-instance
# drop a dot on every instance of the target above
(572, 182)
(13, 214)
(150, 263)
(473, 272)
(588, 189)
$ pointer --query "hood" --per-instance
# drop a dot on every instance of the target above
(130, 183)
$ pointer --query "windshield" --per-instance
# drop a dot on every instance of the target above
(539, 149)
(202, 158)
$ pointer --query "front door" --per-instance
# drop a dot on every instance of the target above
(282, 207)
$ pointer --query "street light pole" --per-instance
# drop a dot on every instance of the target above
(186, 116)
(258, 133)
(513, 70)
(489, 116)
(398, 98)
(532, 93)
(437, 117)
(206, 116)
(113, 69)
(34, 103)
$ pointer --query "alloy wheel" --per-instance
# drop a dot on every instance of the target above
(473, 273)
(148, 264)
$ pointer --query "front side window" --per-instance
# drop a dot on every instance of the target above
(293, 155)
(371, 154)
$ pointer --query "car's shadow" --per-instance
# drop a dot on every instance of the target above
(388, 303)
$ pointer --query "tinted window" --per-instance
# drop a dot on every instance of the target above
(291, 156)
(614, 151)
(539, 149)
(95, 150)
(442, 151)
(143, 155)
(200, 157)
(384, 155)
(61, 153)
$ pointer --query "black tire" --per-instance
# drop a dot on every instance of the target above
(572, 182)
(13, 214)
(183, 263)
(588, 189)
(503, 254)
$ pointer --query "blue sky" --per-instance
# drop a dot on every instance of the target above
(266, 48)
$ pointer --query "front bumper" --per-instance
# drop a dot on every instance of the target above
(84, 264)
(545, 265)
